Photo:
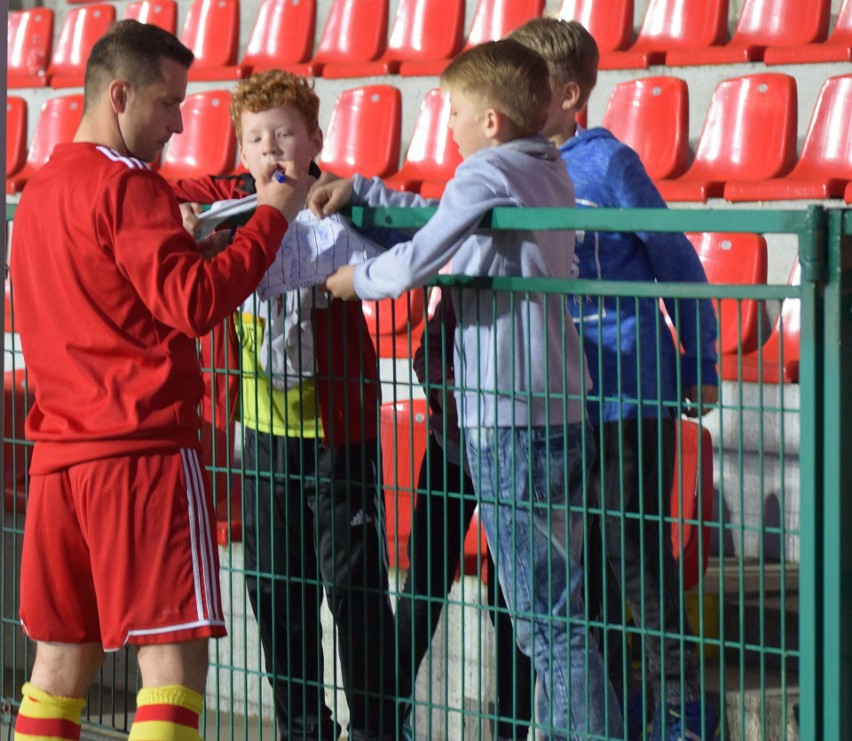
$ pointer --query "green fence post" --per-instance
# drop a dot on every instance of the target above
(836, 619)
(812, 448)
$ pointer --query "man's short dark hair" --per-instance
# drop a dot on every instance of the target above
(131, 51)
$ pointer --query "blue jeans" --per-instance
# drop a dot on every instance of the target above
(531, 487)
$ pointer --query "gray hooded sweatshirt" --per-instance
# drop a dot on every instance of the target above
(518, 357)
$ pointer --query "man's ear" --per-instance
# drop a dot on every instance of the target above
(117, 92)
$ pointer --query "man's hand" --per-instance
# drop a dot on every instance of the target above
(341, 284)
(701, 401)
(189, 212)
(287, 196)
(329, 198)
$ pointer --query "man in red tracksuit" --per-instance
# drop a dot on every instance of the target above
(110, 292)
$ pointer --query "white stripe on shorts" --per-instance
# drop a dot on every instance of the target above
(206, 597)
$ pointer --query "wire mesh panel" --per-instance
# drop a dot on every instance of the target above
(455, 534)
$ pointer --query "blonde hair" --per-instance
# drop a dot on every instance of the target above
(568, 48)
(507, 76)
(275, 88)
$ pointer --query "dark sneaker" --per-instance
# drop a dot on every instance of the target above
(698, 723)
(633, 711)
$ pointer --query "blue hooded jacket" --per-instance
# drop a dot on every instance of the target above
(629, 348)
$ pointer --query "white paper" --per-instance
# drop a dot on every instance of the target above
(312, 249)
(221, 211)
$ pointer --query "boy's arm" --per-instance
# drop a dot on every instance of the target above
(328, 198)
(673, 259)
(469, 195)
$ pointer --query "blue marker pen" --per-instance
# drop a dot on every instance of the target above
(279, 176)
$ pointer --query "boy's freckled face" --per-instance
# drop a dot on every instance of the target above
(273, 135)
(467, 124)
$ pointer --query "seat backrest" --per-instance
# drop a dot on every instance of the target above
(782, 22)
(692, 500)
(683, 24)
(207, 144)
(784, 337)
(741, 259)
(432, 153)
(610, 23)
(426, 30)
(750, 129)
(162, 13)
(82, 27)
(57, 124)
(16, 134)
(29, 38)
(827, 146)
(651, 115)
(494, 19)
(404, 438)
(363, 133)
(354, 31)
(211, 29)
(396, 324)
(842, 32)
(283, 33)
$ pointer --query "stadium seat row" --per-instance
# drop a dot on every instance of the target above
(746, 150)
(426, 35)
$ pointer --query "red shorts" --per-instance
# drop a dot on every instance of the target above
(121, 550)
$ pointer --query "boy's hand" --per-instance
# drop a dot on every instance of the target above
(288, 196)
(341, 284)
(707, 395)
(329, 198)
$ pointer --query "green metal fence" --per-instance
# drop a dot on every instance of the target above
(767, 614)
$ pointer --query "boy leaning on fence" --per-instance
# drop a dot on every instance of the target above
(310, 401)
(631, 356)
(518, 364)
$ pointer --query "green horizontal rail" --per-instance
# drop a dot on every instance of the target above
(610, 219)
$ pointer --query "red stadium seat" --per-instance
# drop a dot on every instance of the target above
(432, 154)
(207, 145)
(162, 13)
(212, 30)
(495, 19)
(692, 501)
(762, 23)
(355, 32)
(29, 38)
(57, 123)
(404, 434)
(363, 132)
(396, 324)
(825, 163)
(739, 259)
(82, 27)
(847, 194)
(836, 48)
(16, 134)
(610, 23)
(673, 24)
(777, 361)
(282, 36)
(749, 133)
(651, 115)
(424, 35)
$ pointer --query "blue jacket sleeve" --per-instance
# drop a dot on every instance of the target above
(673, 259)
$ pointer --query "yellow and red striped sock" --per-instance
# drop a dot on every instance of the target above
(44, 717)
(167, 713)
